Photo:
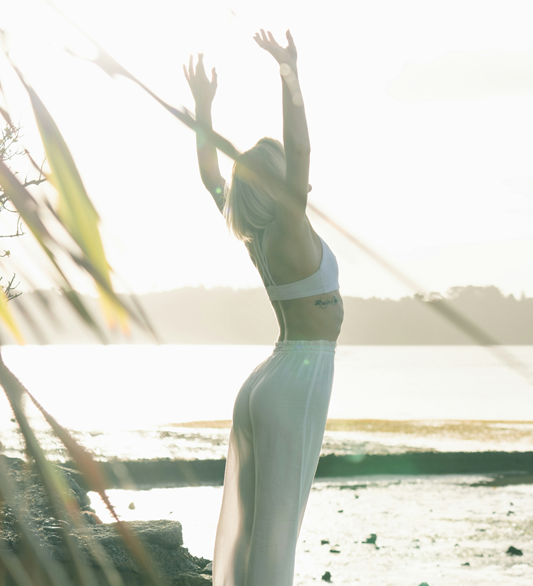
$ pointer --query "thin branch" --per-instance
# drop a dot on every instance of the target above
(34, 182)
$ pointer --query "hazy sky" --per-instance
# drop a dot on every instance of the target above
(420, 115)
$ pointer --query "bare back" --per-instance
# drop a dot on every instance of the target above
(292, 257)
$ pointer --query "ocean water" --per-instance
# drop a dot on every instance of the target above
(128, 401)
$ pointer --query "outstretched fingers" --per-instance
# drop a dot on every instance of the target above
(200, 69)
(272, 39)
(290, 39)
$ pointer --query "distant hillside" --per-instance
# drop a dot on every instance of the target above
(195, 315)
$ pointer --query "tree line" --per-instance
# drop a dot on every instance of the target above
(195, 315)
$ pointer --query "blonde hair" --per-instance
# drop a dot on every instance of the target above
(250, 200)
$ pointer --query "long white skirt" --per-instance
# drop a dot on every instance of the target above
(278, 426)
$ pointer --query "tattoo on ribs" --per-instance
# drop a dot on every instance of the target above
(324, 303)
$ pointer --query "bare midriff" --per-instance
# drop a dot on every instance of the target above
(310, 318)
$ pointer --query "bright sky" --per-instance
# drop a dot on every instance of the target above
(420, 115)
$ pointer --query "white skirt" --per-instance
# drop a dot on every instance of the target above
(278, 426)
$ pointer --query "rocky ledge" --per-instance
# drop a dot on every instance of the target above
(162, 540)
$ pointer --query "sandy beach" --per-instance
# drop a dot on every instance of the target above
(438, 529)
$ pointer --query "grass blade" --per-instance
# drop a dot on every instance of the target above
(54, 484)
(95, 478)
(75, 209)
(7, 317)
(37, 556)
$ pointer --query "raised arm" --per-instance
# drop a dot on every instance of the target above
(295, 132)
(203, 92)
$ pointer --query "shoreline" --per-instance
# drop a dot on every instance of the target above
(169, 473)
(501, 433)
(404, 426)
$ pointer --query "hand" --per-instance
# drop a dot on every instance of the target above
(286, 54)
(202, 89)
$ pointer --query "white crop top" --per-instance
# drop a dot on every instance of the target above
(324, 280)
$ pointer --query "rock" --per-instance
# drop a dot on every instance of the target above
(323, 541)
(335, 550)
(423, 584)
(326, 577)
(193, 580)
(514, 551)
(340, 511)
(162, 540)
(466, 564)
(31, 498)
(131, 506)
(89, 518)
(208, 569)
(92, 518)
(372, 539)
(51, 529)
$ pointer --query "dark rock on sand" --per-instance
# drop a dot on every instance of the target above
(323, 541)
(30, 497)
(372, 539)
(162, 540)
(514, 551)
(326, 577)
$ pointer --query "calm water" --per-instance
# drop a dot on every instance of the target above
(123, 399)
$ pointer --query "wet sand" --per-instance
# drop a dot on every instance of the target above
(457, 429)
(445, 530)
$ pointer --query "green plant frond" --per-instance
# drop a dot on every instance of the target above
(54, 484)
(39, 558)
(74, 299)
(7, 317)
(74, 207)
(95, 478)
(75, 210)
(15, 567)
(113, 307)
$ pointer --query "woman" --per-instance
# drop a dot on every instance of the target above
(280, 413)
